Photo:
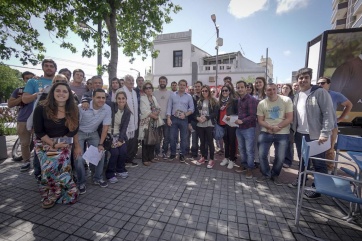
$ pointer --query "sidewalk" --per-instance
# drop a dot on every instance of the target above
(165, 201)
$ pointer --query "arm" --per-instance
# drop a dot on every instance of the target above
(328, 114)
(103, 137)
(191, 108)
(77, 149)
(347, 108)
(288, 119)
(123, 126)
(28, 98)
(168, 112)
(252, 106)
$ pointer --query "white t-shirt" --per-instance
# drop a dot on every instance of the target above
(302, 124)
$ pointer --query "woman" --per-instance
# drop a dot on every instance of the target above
(150, 115)
(206, 112)
(287, 90)
(56, 118)
(228, 106)
(121, 115)
(250, 89)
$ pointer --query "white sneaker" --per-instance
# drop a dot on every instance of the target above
(224, 162)
(231, 165)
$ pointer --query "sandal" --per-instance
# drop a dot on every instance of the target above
(47, 203)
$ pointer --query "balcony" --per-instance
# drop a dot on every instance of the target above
(222, 68)
(357, 7)
(340, 11)
(335, 2)
(339, 24)
(358, 23)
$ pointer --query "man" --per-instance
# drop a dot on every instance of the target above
(97, 83)
(66, 72)
(295, 87)
(23, 114)
(140, 82)
(275, 113)
(227, 79)
(77, 84)
(245, 133)
(162, 96)
(337, 99)
(179, 107)
(115, 85)
(89, 120)
(174, 86)
(121, 83)
(314, 119)
(191, 90)
(132, 129)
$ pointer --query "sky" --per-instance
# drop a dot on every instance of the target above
(282, 26)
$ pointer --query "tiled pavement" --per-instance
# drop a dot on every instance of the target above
(166, 201)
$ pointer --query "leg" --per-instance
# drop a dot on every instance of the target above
(111, 169)
(166, 137)
(232, 141)
(195, 141)
(121, 161)
(93, 140)
(79, 162)
(241, 146)
(210, 141)
(151, 153)
(257, 132)
(201, 135)
(249, 138)
(24, 136)
(226, 142)
(183, 136)
(280, 143)
(173, 135)
(265, 141)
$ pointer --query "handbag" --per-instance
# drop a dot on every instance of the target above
(152, 134)
(107, 143)
(218, 132)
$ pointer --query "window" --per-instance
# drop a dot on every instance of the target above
(177, 58)
(207, 68)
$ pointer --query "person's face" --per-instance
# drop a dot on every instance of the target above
(148, 90)
(27, 77)
(174, 87)
(67, 74)
(225, 92)
(97, 84)
(140, 82)
(162, 83)
(49, 69)
(259, 84)
(191, 90)
(61, 94)
(205, 93)
(99, 99)
(129, 83)
(213, 92)
(197, 88)
(122, 83)
(121, 100)
(182, 86)
(89, 84)
(286, 90)
(248, 89)
(60, 79)
(323, 83)
(304, 82)
(271, 91)
(295, 87)
(115, 85)
(78, 77)
(240, 88)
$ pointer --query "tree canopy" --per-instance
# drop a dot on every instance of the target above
(9, 81)
(127, 24)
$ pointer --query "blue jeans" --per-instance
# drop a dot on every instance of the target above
(289, 152)
(178, 124)
(246, 146)
(166, 139)
(91, 138)
(117, 161)
(265, 140)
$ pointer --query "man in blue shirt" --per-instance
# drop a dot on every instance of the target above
(179, 107)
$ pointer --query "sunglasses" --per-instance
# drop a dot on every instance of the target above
(60, 81)
(226, 90)
(212, 91)
(148, 88)
(321, 83)
(204, 91)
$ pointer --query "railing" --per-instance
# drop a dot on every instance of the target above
(358, 23)
(357, 8)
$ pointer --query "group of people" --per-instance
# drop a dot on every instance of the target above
(74, 116)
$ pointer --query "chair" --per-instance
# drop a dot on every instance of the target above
(339, 187)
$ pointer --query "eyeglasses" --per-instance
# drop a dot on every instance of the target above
(321, 83)
(148, 88)
(213, 91)
(204, 91)
(61, 81)
(226, 90)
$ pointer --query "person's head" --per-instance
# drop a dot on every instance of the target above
(140, 81)
(99, 98)
(295, 87)
(66, 72)
(213, 92)
(147, 88)
(97, 82)
(250, 89)
(174, 86)
(162, 81)
(304, 77)
(206, 95)
(121, 83)
(271, 91)
(198, 84)
(129, 81)
(182, 85)
(78, 75)
(287, 90)
(49, 67)
(241, 88)
(191, 90)
(115, 84)
(324, 82)
(27, 75)
(89, 84)
(260, 84)
(225, 92)
(227, 79)
(60, 78)
(121, 99)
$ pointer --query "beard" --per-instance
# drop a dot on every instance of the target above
(162, 86)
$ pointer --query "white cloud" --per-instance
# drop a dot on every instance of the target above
(287, 52)
(285, 6)
(244, 8)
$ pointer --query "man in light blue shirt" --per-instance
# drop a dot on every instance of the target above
(180, 105)
(89, 120)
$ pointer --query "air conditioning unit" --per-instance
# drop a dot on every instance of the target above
(211, 78)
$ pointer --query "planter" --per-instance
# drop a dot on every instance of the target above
(3, 149)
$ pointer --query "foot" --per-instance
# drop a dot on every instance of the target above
(164, 157)
(25, 167)
(262, 179)
(154, 160)
(210, 164)
(276, 181)
(82, 189)
(224, 162)
(146, 163)
(122, 174)
(308, 194)
(113, 180)
(249, 174)
(47, 203)
(182, 158)
(201, 161)
(131, 164)
(172, 157)
(231, 165)
(240, 169)
(293, 184)
(101, 183)
(286, 165)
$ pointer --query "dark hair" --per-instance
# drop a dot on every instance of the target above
(199, 82)
(145, 85)
(251, 86)
(96, 77)
(49, 61)
(78, 70)
(227, 78)
(98, 91)
(303, 71)
(326, 78)
(71, 109)
(242, 82)
(291, 89)
(173, 82)
(212, 101)
(116, 79)
(26, 73)
(231, 94)
(65, 70)
(182, 80)
(261, 93)
(162, 77)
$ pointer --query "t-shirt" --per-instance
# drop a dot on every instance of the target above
(162, 99)
(337, 99)
(274, 111)
(302, 124)
(79, 90)
(35, 85)
(24, 110)
(205, 112)
(117, 123)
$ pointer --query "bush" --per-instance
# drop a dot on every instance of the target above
(7, 120)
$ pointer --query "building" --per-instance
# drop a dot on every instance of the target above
(346, 14)
(179, 59)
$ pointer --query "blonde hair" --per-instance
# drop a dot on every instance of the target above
(60, 76)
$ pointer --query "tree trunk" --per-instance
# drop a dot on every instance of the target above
(110, 21)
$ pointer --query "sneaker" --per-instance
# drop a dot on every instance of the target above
(231, 165)
(82, 189)
(172, 157)
(262, 179)
(154, 160)
(38, 179)
(101, 183)
(25, 167)
(210, 164)
(182, 158)
(224, 162)
(286, 165)
(164, 157)
(113, 180)
(122, 174)
(308, 194)
(201, 161)
(276, 181)
(146, 163)
(249, 174)
(293, 184)
(131, 164)
(240, 169)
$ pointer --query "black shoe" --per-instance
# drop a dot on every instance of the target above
(182, 158)
(82, 189)
(308, 194)
(25, 167)
(172, 157)
(131, 164)
(86, 167)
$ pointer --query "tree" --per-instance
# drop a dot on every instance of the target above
(129, 24)
(9, 81)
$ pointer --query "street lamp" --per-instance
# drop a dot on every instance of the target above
(139, 74)
(219, 42)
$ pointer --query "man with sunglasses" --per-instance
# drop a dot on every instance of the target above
(337, 99)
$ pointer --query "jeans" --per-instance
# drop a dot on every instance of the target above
(132, 147)
(319, 166)
(289, 152)
(178, 124)
(117, 161)
(246, 144)
(166, 139)
(36, 164)
(91, 138)
(265, 140)
(206, 140)
(229, 142)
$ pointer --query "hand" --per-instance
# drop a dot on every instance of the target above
(119, 143)
(223, 107)
(322, 139)
(190, 127)
(182, 115)
(239, 122)
(169, 122)
(85, 105)
(339, 119)
(227, 118)
(100, 148)
(61, 145)
(77, 151)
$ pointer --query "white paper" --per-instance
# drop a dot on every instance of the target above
(316, 148)
(232, 120)
(92, 155)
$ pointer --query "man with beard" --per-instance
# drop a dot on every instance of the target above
(115, 85)
(162, 95)
(174, 86)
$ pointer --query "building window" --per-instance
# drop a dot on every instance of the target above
(222, 67)
(177, 58)
(207, 68)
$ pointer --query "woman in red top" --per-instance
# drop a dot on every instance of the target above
(228, 106)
